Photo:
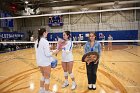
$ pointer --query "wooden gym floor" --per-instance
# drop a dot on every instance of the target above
(118, 72)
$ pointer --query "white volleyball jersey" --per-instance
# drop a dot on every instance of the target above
(67, 55)
(43, 53)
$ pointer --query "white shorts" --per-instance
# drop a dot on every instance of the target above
(67, 57)
(46, 62)
(43, 64)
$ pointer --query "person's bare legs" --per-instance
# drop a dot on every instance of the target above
(65, 69)
(47, 71)
(42, 80)
(70, 67)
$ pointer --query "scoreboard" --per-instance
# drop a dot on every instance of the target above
(55, 21)
(6, 22)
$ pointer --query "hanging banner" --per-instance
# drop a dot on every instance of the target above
(11, 35)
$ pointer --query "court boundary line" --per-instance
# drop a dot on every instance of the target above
(126, 50)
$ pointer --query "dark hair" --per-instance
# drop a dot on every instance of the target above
(68, 34)
(93, 34)
(40, 34)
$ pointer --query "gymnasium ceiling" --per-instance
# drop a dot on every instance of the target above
(48, 6)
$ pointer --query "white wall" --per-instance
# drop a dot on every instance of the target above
(109, 21)
(84, 22)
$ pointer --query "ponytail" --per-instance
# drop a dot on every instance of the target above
(38, 41)
(40, 34)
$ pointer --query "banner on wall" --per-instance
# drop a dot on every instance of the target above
(11, 35)
(118, 35)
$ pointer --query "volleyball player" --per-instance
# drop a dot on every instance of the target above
(67, 60)
(110, 43)
(43, 57)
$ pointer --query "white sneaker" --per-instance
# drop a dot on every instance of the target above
(49, 92)
(65, 84)
(41, 91)
(73, 85)
(94, 87)
(89, 86)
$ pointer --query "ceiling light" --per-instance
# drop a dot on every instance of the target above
(26, 2)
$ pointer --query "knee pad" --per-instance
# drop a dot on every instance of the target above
(42, 78)
(47, 81)
(65, 74)
(71, 75)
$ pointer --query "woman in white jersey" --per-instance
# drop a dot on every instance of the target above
(67, 60)
(43, 57)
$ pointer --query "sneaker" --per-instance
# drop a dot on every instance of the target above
(48, 92)
(94, 87)
(41, 91)
(65, 84)
(73, 85)
(90, 86)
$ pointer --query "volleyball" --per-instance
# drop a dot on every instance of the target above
(53, 62)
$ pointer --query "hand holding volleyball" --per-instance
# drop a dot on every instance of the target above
(53, 62)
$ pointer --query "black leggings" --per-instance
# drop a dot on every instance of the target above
(91, 72)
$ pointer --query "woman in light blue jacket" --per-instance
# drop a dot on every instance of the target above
(92, 46)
